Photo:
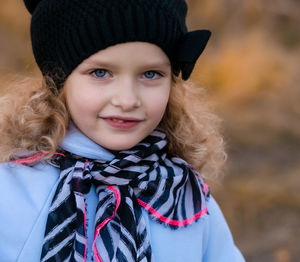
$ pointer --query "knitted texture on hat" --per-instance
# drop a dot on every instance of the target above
(64, 33)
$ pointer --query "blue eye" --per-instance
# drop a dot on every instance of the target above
(100, 73)
(151, 75)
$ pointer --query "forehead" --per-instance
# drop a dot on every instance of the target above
(135, 52)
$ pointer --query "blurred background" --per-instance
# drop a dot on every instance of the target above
(251, 71)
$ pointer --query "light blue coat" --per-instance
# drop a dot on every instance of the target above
(25, 198)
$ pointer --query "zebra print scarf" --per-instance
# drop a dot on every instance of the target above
(146, 176)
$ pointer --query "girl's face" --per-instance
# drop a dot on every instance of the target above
(118, 96)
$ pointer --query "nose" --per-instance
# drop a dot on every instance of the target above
(126, 95)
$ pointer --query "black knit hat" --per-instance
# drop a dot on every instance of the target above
(65, 32)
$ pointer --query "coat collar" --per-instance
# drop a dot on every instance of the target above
(77, 143)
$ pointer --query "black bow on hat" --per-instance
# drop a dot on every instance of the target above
(188, 50)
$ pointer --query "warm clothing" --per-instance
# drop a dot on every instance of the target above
(145, 176)
(25, 198)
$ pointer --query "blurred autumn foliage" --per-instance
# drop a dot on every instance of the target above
(251, 71)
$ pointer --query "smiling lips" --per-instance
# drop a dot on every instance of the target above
(119, 122)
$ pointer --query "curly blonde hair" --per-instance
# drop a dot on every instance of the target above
(33, 119)
(193, 130)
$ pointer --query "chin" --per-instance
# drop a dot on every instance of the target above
(119, 147)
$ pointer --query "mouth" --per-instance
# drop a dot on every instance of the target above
(119, 122)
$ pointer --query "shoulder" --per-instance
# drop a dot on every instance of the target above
(24, 192)
(26, 183)
(219, 243)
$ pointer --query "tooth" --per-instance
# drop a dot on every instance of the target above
(118, 120)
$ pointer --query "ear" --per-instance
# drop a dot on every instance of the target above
(188, 50)
(31, 5)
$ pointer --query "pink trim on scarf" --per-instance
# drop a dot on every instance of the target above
(61, 154)
(170, 221)
(84, 220)
(30, 159)
(205, 188)
(84, 228)
(98, 228)
(85, 164)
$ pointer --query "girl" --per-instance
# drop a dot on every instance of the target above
(96, 155)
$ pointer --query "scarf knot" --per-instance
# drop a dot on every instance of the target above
(147, 177)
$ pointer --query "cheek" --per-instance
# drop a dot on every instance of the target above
(81, 103)
(157, 105)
